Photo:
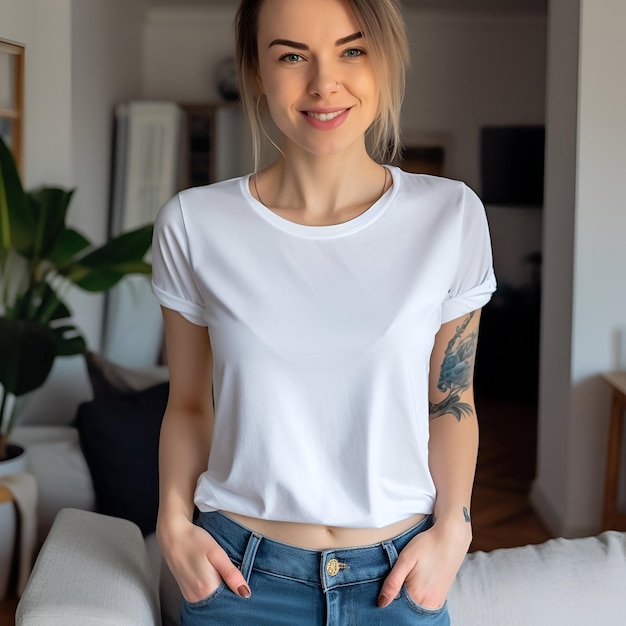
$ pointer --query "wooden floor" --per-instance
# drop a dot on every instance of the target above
(501, 514)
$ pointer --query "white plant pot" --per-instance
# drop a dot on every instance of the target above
(17, 464)
(8, 518)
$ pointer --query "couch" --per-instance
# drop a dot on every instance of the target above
(99, 568)
(96, 569)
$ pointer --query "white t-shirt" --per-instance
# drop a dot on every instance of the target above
(321, 338)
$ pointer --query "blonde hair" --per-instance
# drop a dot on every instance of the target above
(383, 26)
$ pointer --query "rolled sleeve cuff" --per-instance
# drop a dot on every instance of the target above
(469, 301)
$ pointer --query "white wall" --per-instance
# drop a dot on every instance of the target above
(584, 283)
(44, 26)
(600, 244)
(182, 48)
(106, 69)
(549, 495)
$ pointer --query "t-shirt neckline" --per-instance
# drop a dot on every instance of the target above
(322, 232)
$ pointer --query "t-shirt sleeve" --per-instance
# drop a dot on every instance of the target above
(474, 281)
(173, 278)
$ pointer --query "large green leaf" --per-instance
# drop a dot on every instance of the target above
(95, 280)
(68, 245)
(16, 220)
(131, 246)
(40, 303)
(28, 351)
(47, 306)
(68, 340)
(49, 208)
(59, 309)
(104, 267)
(102, 279)
(135, 267)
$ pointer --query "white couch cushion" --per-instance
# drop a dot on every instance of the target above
(60, 469)
(575, 582)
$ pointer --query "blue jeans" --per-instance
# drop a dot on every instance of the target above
(294, 586)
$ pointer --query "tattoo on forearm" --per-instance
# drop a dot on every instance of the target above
(466, 515)
(456, 374)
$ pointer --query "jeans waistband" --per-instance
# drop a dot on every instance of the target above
(330, 568)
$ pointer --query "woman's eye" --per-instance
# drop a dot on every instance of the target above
(291, 58)
(353, 53)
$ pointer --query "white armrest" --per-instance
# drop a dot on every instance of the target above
(562, 581)
(92, 570)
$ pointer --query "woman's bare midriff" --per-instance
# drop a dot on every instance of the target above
(318, 537)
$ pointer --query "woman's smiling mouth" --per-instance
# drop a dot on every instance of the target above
(325, 117)
(326, 120)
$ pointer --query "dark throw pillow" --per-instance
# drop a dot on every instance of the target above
(119, 437)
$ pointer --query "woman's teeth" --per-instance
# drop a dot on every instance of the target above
(325, 117)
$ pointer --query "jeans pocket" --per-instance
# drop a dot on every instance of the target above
(422, 610)
(214, 595)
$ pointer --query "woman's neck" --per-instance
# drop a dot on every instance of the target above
(321, 190)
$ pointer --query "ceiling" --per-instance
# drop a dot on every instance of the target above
(473, 5)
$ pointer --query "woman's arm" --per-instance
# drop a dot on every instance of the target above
(197, 562)
(429, 564)
(453, 446)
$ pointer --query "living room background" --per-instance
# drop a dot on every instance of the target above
(85, 56)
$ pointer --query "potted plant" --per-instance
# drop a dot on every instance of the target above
(41, 258)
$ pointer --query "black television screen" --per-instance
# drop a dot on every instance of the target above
(512, 162)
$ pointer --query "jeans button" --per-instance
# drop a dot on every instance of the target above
(332, 567)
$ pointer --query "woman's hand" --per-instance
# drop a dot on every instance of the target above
(198, 563)
(428, 565)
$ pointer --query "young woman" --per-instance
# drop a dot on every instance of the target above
(321, 320)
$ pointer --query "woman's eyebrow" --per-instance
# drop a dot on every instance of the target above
(302, 46)
(349, 38)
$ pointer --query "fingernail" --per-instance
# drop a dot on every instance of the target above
(383, 600)
(244, 591)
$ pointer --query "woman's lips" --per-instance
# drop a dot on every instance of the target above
(326, 120)
(325, 117)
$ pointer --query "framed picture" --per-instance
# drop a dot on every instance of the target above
(425, 152)
(12, 96)
(424, 159)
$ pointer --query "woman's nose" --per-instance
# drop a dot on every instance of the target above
(323, 81)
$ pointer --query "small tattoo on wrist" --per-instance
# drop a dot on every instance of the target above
(466, 515)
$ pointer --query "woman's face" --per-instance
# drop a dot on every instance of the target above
(316, 74)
